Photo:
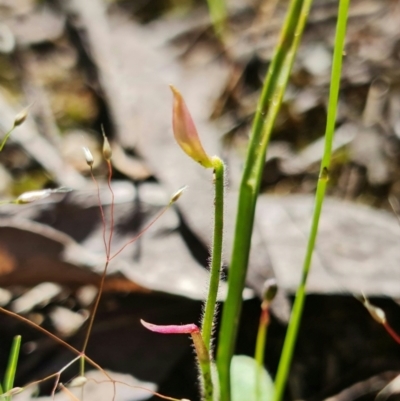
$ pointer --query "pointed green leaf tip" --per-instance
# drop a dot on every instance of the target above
(185, 131)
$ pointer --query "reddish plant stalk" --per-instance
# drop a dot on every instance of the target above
(391, 332)
(108, 252)
(103, 218)
(112, 209)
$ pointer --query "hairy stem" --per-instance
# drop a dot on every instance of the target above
(216, 258)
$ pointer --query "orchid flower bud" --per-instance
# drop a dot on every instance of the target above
(171, 329)
(185, 131)
(191, 328)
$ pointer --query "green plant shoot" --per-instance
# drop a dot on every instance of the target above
(267, 111)
(292, 331)
(11, 370)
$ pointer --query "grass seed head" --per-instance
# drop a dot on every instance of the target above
(78, 381)
(32, 196)
(178, 194)
(88, 156)
(20, 117)
(107, 152)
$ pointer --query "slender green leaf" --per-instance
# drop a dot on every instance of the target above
(218, 14)
(12, 365)
(294, 323)
(267, 111)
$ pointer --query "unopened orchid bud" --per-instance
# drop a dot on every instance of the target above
(88, 156)
(177, 194)
(20, 117)
(270, 289)
(171, 329)
(185, 131)
(107, 152)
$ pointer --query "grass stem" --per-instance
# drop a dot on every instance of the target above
(12, 366)
(294, 323)
(267, 111)
(219, 16)
(204, 361)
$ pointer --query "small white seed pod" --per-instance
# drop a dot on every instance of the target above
(78, 381)
(107, 152)
(177, 194)
(20, 117)
(377, 313)
(32, 196)
(88, 156)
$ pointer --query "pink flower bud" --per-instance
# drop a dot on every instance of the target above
(171, 329)
(192, 329)
(185, 131)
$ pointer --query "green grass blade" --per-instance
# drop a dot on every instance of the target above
(12, 365)
(218, 14)
(267, 111)
(5, 139)
(291, 336)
